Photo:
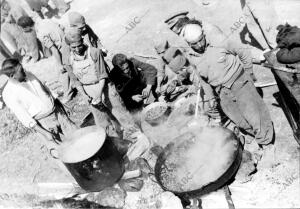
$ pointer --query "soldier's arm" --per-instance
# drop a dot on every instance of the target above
(149, 71)
(243, 53)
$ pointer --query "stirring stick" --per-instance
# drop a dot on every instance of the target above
(197, 101)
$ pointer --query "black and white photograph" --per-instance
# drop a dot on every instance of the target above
(150, 104)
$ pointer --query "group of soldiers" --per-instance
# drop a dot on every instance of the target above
(221, 68)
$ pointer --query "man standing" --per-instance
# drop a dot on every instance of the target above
(228, 69)
(134, 80)
(89, 69)
(30, 49)
(33, 104)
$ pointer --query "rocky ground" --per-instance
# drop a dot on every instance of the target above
(29, 175)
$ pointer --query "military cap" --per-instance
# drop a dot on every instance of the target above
(72, 35)
(173, 19)
(76, 19)
(175, 59)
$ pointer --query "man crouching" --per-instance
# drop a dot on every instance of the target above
(135, 81)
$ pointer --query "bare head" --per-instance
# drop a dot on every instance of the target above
(12, 68)
(121, 61)
(26, 24)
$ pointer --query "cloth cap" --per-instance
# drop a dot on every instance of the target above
(177, 63)
(173, 19)
(25, 22)
(76, 19)
(192, 33)
(175, 59)
(171, 53)
(161, 46)
(72, 35)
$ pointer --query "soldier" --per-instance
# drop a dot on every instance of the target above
(187, 75)
(88, 67)
(229, 70)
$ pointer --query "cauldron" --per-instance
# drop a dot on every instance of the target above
(199, 161)
(92, 158)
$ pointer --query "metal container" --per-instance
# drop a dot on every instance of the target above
(92, 159)
(199, 161)
(158, 117)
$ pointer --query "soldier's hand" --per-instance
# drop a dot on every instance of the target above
(146, 91)
(96, 101)
(137, 98)
(104, 52)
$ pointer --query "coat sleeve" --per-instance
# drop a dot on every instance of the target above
(161, 68)
(242, 52)
(196, 79)
(149, 71)
(100, 63)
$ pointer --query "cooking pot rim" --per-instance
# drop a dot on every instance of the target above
(221, 181)
(93, 145)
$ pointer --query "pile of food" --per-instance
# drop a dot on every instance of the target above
(156, 112)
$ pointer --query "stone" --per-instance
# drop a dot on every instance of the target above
(131, 185)
(109, 197)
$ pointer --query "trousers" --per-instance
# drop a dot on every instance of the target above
(244, 106)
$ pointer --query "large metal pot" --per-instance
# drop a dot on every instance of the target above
(199, 161)
(92, 159)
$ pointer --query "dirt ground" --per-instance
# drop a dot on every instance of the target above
(28, 174)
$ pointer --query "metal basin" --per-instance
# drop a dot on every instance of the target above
(156, 113)
(199, 161)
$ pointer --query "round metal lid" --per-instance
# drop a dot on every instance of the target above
(82, 144)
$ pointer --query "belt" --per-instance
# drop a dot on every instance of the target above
(232, 80)
(218, 88)
(89, 84)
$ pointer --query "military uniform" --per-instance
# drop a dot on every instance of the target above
(89, 70)
(229, 70)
